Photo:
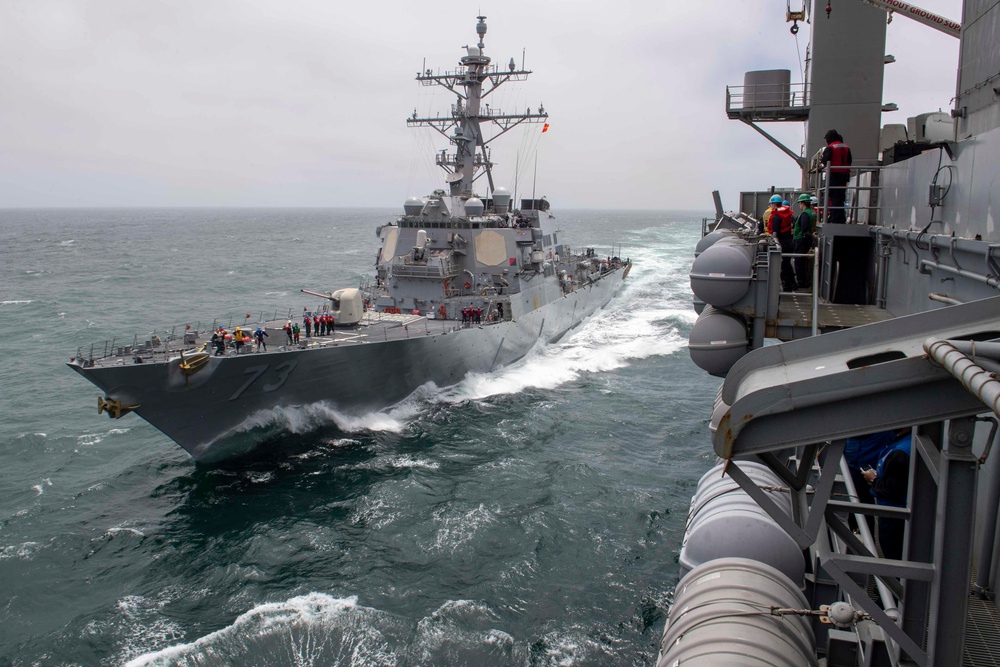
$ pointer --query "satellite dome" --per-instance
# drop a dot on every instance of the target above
(474, 206)
(413, 206)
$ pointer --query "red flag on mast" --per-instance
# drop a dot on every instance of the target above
(545, 128)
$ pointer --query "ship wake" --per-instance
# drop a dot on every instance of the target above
(644, 322)
(319, 629)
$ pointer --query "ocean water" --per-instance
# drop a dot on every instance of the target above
(531, 516)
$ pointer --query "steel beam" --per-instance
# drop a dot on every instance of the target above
(953, 545)
(918, 545)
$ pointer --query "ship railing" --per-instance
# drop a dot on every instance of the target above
(416, 271)
(862, 194)
(814, 256)
(438, 271)
(429, 78)
(444, 160)
(171, 340)
(768, 101)
(412, 327)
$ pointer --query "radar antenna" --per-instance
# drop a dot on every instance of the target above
(463, 127)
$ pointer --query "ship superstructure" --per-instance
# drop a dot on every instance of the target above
(464, 283)
(898, 338)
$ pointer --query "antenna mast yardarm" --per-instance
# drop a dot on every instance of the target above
(463, 127)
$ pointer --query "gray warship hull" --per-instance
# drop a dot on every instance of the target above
(228, 407)
(463, 284)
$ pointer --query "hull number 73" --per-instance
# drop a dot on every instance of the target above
(280, 375)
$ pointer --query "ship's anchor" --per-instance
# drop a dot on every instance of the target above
(194, 363)
(114, 407)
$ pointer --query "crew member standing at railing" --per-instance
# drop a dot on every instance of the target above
(837, 155)
(219, 340)
(774, 203)
(802, 232)
(781, 227)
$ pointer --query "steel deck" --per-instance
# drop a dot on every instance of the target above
(795, 316)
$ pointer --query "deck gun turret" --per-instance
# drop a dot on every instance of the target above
(346, 305)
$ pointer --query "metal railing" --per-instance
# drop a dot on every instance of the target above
(171, 339)
(814, 256)
(768, 97)
(165, 340)
(410, 269)
(861, 194)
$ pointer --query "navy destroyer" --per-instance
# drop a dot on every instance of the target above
(891, 354)
(464, 283)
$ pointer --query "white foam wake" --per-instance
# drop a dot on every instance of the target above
(629, 330)
(305, 418)
(317, 630)
(312, 629)
(88, 439)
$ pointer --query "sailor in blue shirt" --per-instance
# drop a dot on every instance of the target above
(890, 482)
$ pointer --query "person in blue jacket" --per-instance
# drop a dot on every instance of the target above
(862, 453)
(890, 482)
(259, 335)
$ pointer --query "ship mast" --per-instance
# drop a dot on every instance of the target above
(463, 127)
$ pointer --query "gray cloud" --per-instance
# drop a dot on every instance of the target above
(302, 104)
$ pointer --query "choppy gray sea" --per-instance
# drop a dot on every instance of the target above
(531, 516)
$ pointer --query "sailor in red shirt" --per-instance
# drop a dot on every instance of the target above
(837, 154)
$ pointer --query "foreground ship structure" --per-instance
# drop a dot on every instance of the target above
(898, 338)
(465, 283)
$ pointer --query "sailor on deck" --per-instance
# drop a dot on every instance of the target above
(837, 155)
(781, 227)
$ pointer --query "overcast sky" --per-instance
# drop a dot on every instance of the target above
(303, 102)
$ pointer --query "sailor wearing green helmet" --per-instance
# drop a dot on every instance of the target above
(802, 236)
